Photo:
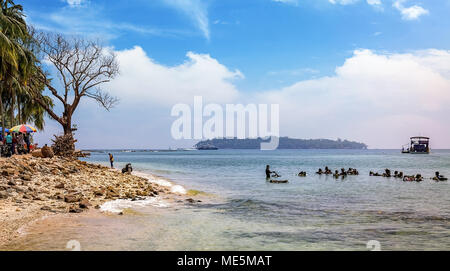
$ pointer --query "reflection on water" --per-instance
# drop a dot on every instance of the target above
(247, 213)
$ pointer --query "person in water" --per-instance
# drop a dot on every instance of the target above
(387, 173)
(302, 174)
(409, 178)
(328, 171)
(419, 178)
(320, 172)
(268, 172)
(353, 171)
(111, 160)
(336, 174)
(439, 177)
(398, 175)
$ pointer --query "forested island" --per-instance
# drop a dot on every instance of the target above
(285, 143)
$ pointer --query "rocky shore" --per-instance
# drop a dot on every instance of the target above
(31, 188)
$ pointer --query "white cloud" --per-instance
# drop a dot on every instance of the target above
(410, 13)
(90, 21)
(142, 80)
(75, 3)
(343, 2)
(374, 2)
(196, 10)
(294, 72)
(378, 98)
(348, 2)
(291, 2)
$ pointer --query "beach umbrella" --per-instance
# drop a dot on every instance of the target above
(23, 129)
(6, 130)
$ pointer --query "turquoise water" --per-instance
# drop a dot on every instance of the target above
(244, 212)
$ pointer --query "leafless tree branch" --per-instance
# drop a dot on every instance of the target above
(82, 67)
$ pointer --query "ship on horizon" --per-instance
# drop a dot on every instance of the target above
(418, 145)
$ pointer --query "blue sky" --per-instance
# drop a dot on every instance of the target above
(268, 48)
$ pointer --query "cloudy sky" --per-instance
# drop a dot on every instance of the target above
(375, 71)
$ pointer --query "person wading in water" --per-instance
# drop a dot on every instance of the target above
(111, 160)
(268, 172)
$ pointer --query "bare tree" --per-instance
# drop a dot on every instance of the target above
(82, 66)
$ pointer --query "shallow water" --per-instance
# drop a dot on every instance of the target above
(241, 211)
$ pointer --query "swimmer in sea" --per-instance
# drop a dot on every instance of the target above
(268, 172)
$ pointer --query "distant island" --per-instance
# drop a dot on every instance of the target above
(286, 143)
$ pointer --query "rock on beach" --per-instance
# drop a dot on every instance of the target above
(35, 186)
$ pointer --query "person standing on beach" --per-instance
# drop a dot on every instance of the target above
(111, 160)
(27, 142)
(20, 143)
(14, 143)
(9, 142)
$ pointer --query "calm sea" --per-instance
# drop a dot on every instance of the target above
(241, 211)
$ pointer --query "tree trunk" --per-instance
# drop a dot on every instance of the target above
(67, 125)
(13, 103)
(2, 113)
(19, 111)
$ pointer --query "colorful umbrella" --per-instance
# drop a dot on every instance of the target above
(23, 129)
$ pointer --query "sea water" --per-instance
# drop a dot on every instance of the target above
(240, 210)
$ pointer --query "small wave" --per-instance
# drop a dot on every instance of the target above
(117, 206)
(174, 188)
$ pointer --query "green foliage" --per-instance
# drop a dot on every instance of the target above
(285, 143)
(19, 71)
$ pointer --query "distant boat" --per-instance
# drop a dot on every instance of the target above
(418, 145)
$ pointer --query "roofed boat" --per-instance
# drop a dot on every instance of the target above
(418, 145)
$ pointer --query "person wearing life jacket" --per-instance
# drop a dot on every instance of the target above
(419, 178)
(438, 177)
(336, 174)
(409, 179)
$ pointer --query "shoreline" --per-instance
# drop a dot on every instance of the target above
(35, 189)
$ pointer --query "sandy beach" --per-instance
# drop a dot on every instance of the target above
(35, 188)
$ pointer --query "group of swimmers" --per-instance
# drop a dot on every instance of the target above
(354, 172)
(344, 173)
(387, 174)
(399, 175)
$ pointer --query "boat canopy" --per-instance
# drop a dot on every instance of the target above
(420, 137)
